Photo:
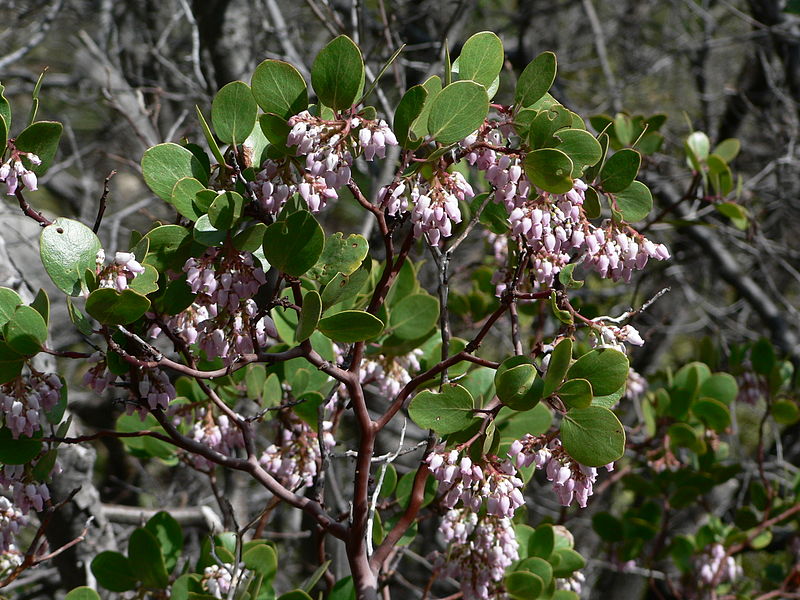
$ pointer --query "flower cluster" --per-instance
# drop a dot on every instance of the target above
(327, 147)
(13, 171)
(714, 560)
(216, 433)
(752, 387)
(98, 377)
(435, 201)
(635, 386)
(293, 459)
(611, 336)
(572, 584)
(25, 400)
(570, 479)
(217, 580)
(555, 226)
(11, 521)
(480, 550)
(222, 319)
(461, 479)
(390, 375)
(119, 273)
(156, 387)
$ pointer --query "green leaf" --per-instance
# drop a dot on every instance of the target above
(169, 535)
(576, 393)
(445, 412)
(225, 210)
(206, 234)
(591, 203)
(605, 368)
(581, 147)
(419, 129)
(111, 307)
(250, 239)
(699, 145)
(566, 562)
(340, 255)
(557, 367)
(170, 246)
(538, 566)
(458, 110)
(414, 316)
(735, 212)
(549, 169)
(593, 436)
(409, 108)
(114, 572)
(5, 109)
(535, 421)
(542, 542)
(343, 287)
(41, 138)
(82, 593)
(210, 139)
(276, 130)
(683, 435)
(785, 412)
(183, 196)
(635, 202)
(536, 79)
(17, 451)
(68, 248)
(338, 73)
(713, 413)
(279, 88)
(343, 590)
(165, 164)
(728, 149)
(720, 386)
(522, 585)
(309, 316)
(41, 303)
(234, 112)
(481, 58)
(145, 283)
(608, 527)
(351, 326)
(620, 170)
(263, 560)
(78, 318)
(3, 132)
(9, 301)
(518, 385)
(295, 595)
(26, 331)
(293, 246)
(144, 554)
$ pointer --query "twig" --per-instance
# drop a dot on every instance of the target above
(102, 208)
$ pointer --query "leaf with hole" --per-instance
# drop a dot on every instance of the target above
(67, 249)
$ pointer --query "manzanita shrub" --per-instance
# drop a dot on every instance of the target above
(246, 336)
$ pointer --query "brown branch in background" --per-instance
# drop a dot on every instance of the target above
(102, 208)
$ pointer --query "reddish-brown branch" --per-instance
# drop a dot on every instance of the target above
(29, 211)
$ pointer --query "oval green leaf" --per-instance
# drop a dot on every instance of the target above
(414, 316)
(620, 170)
(481, 58)
(82, 593)
(536, 79)
(111, 307)
(576, 393)
(635, 202)
(279, 88)
(351, 326)
(26, 331)
(146, 560)
(165, 164)
(9, 301)
(294, 245)
(445, 412)
(340, 255)
(68, 248)
(557, 367)
(409, 108)
(549, 169)
(605, 368)
(593, 436)
(17, 451)
(309, 316)
(234, 112)
(41, 138)
(522, 585)
(458, 110)
(338, 73)
(113, 571)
